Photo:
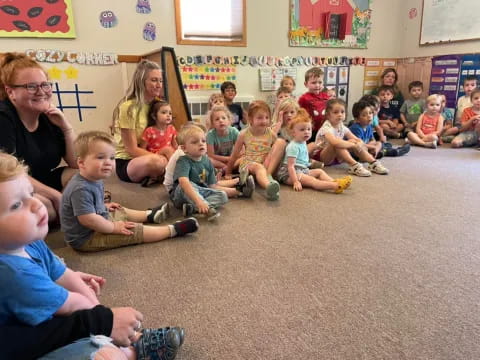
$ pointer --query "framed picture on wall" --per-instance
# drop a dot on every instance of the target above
(46, 19)
(330, 23)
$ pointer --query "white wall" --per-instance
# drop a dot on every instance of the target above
(410, 36)
(267, 30)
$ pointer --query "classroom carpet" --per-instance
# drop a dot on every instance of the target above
(388, 270)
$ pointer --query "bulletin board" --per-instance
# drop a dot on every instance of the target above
(470, 65)
(270, 78)
(445, 21)
(330, 23)
(47, 19)
(373, 70)
(445, 77)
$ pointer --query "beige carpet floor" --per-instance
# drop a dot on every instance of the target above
(388, 270)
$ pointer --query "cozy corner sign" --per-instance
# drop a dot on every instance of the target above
(330, 23)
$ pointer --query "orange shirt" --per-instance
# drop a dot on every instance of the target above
(468, 113)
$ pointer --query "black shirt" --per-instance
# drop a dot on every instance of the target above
(42, 149)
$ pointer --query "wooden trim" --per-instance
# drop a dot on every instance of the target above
(129, 58)
(181, 41)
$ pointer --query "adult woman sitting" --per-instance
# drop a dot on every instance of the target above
(33, 129)
(130, 118)
(389, 77)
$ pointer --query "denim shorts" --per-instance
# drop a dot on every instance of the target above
(83, 349)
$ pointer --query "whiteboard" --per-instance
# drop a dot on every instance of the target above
(449, 20)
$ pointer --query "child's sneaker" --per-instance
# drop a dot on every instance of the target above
(377, 168)
(448, 138)
(402, 150)
(273, 190)
(161, 344)
(185, 226)
(212, 214)
(187, 209)
(159, 214)
(359, 170)
(248, 188)
(431, 144)
(343, 184)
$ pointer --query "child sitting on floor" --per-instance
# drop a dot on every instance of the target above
(411, 109)
(331, 146)
(160, 135)
(362, 128)
(470, 123)
(389, 116)
(429, 125)
(387, 148)
(36, 285)
(221, 137)
(216, 99)
(447, 134)
(195, 188)
(258, 139)
(295, 167)
(91, 225)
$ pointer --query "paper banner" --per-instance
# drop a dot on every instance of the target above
(48, 19)
(207, 77)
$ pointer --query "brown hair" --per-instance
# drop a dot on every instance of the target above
(475, 91)
(10, 167)
(416, 83)
(256, 106)
(288, 77)
(84, 139)
(283, 90)
(314, 73)
(152, 112)
(10, 63)
(332, 102)
(386, 88)
(301, 117)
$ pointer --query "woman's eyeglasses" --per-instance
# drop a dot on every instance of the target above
(32, 88)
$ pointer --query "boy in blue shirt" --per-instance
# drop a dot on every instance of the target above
(363, 129)
(36, 285)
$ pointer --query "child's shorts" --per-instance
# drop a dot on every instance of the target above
(83, 349)
(99, 241)
(282, 173)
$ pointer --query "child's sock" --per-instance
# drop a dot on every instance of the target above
(183, 227)
(158, 214)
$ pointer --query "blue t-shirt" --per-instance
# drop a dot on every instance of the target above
(223, 145)
(363, 133)
(29, 293)
(375, 121)
(299, 151)
(80, 197)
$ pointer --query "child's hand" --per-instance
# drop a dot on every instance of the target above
(122, 227)
(297, 186)
(280, 117)
(202, 207)
(93, 281)
(112, 206)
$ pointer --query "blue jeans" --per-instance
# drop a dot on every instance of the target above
(214, 198)
(83, 349)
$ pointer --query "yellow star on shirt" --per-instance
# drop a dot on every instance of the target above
(54, 73)
(71, 72)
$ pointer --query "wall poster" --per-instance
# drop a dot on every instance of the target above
(330, 23)
(37, 18)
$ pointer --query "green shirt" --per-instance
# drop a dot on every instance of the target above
(200, 172)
